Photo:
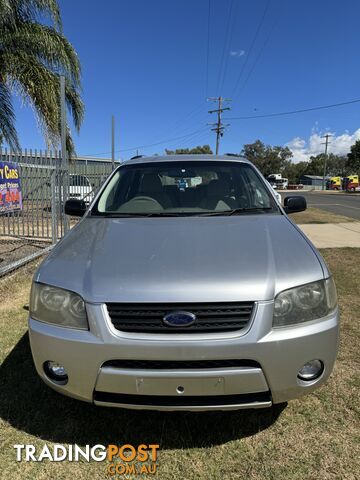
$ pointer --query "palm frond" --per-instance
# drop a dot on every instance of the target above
(74, 104)
(6, 10)
(50, 47)
(32, 57)
(40, 87)
(7, 118)
(13, 11)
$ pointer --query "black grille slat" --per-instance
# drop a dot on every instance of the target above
(148, 318)
(208, 314)
(160, 328)
(151, 319)
(198, 324)
(179, 364)
(181, 401)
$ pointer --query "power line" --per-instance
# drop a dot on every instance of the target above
(149, 144)
(293, 112)
(191, 115)
(261, 51)
(229, 45)
(189, 137)
(208, 49)
(251, 48)
(196, 139)
(226, 39)
(185, 119)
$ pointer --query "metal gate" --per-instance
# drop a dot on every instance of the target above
(45, 185)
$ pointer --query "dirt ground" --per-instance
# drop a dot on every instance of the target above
(13, 249)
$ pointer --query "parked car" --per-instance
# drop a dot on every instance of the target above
(202, 298)
(277, 181)
(79, 187)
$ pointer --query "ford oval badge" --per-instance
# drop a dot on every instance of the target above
(179, 319)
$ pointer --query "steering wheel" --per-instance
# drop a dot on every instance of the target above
(140, 204)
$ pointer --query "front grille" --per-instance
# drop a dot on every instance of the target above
(181, 401)
(148, 317)
(179, 364)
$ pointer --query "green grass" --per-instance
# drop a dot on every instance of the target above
(316, 437)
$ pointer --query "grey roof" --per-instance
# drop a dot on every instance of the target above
(185, 158)
(82, 158)
(313, 177)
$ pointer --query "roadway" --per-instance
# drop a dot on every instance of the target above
(339, 203)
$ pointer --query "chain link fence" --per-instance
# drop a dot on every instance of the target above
(31, 230)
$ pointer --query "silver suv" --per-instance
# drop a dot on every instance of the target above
(185, 286)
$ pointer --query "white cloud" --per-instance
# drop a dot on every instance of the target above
(303, 149)
(237, 53)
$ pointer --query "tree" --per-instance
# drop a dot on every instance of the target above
(316, 165)
(294, 171)
(268, 159)
(32, 57)
(205, 150)
(336, 165)
(353, 158)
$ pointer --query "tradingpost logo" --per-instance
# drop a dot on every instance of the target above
(124, 459)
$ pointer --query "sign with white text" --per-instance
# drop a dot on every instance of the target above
(10, 188)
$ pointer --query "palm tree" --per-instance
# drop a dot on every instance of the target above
(33, 54)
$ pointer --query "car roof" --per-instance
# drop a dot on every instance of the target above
(184, 158)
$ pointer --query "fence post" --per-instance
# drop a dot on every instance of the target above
(54, 225)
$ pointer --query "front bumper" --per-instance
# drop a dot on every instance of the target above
(267, 373)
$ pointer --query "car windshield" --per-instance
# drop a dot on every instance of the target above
(185, 188)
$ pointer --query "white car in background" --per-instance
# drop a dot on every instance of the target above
(79, 187)
(277, 194)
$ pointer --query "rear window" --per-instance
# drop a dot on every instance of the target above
(79, 181)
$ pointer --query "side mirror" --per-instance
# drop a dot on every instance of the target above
(294, 204)
(75, 207)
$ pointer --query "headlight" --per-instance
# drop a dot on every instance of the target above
(57, 306)
(305, 303)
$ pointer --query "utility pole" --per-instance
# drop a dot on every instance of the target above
(326, 143)
(64, 157)
(63, 123)
(113, 142)
(219, 126)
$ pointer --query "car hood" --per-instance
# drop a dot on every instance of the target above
(183, 259)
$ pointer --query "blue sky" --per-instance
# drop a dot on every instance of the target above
(146, 63)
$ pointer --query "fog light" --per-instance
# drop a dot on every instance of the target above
(56, 372)
(311, 370)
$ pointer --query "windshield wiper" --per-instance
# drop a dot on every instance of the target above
(238, 211)
(235, 211)
(169, 214)
(135, 214)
